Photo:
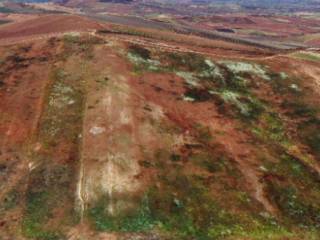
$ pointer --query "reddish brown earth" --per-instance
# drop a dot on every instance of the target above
(119, 130)
(281, 26)
(48, 24)
(315, 42)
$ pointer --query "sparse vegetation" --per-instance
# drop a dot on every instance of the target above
(139, 51)
(3, 21)
(50, 184)
(308, 121)
(286, 182)
(207, 81)
(139, 220)
(271, 129)
(80, 44)
(10, 200)
(194, 129)
(47, 188)
(244, 67)
(183, 206)
(203, 133)
(296, 208)
(65, 93)
(314, 57)
(141, 58)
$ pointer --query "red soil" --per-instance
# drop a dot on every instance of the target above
(21, 98)
(48, 24)
(282, 26)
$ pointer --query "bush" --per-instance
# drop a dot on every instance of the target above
(139, 51)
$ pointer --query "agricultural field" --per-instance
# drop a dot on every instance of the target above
(112, 131)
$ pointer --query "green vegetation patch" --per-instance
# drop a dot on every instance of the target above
(50, 187)
(226, 83)
(271, 128)
(296, 107)
(245, 67)
(308, 121)
(187, 205)
(283, 84)
(295, 190)
(10, 200)
(47, 188)
(190, 62)
(184, 205)
(81, 44)
(140, 51)
(295, 207)
(248, 107)
(63, 116)
(141, 58)
(314, 57)
(139, 220)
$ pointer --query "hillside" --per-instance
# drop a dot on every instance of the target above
(116, 132)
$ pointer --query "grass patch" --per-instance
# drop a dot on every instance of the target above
(139, 220)
(295, 190)
(297, 108)
(248, 107)
(186, 62)
(47, 188)
(141, 58)
(211, 163)
(205, 78)
(50, 184)
(314, 57)
(203, 133)
(181, 213)
(182, 204)
(81, 44)
(10, 200)
(294, 206)
(63, 116)
(271, 128)
(308, 123)
(245, 67)
(283, 84)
